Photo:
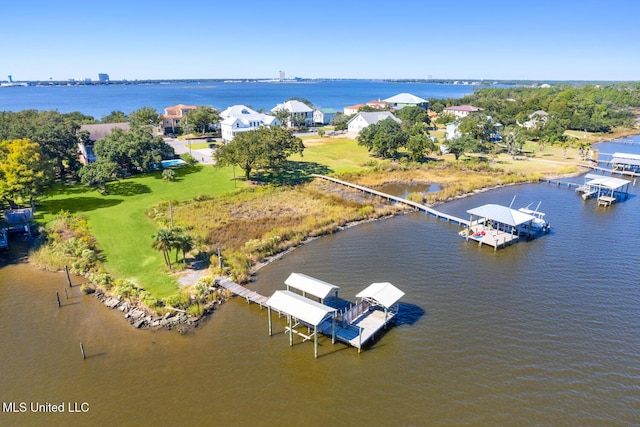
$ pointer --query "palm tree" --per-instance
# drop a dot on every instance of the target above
(163, 241)
(185, 243)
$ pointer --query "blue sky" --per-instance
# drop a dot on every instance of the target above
(464, 39)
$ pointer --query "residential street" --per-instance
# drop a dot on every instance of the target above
(202, 155)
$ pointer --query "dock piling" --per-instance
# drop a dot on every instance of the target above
(66, 270)
(84, 356)
(58, 298)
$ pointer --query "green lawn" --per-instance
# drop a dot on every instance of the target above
(123, 231)
(338, 154)
(119, 223)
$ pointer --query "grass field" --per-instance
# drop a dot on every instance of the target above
(120, 225)
(339, 155)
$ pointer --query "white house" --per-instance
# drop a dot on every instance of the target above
(299, 112)
(402, 100)
(537, 118)
(240, 118)
(453, 131)
(350, 110)
(364, 119)
(460, 111)
(323, 116)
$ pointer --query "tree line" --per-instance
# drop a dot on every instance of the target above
(40, 148)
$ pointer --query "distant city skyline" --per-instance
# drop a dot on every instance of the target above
(494, 40)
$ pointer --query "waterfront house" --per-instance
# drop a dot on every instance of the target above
(172, 116)
(536, 119)
(240, 118)
(460, 111)
(352, 109)
(323, 116)
(402, 100)
(364, 119)
(299, 113)
(95, 133)
(378, 105)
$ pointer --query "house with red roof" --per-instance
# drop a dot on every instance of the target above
(172, 116)
(461, 111)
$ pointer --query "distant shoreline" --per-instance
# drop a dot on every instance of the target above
(469, 82)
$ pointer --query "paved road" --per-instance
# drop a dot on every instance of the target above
(202, 155)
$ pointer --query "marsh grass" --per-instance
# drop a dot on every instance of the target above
(256, 223)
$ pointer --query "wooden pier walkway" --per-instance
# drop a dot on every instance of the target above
(241, 291)
(420, 207)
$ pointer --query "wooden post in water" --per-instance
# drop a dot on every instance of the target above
(290, 330)
(66, 270)
(66, 294)
(58, 298)
(84, 356)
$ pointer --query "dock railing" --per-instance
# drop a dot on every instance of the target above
(355, 311)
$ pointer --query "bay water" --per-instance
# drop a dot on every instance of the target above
(100, 100)
(545, 332)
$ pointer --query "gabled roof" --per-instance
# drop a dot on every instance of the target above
(383, 293)
(292, 106)
(237, 111)
(606, 181)
(374, 117)
(100, 130)
(309, 285)
(465, 108)
(501, 214)
(405, 98)
(305, 309)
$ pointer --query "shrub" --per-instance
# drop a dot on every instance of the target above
(179, 300)
(188, 158)
(87, 288)
(195, 310)
(169, 175)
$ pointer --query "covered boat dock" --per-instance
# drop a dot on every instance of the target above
(301, 311)
(497, 225)
(606, 189)
(377, 305)
(625, 162)
(311, 286)
(355, 325)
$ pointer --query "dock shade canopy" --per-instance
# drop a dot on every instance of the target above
(311, 286)
(606, 181)
(624, 158)
(384, 294)
(304, 309)
(501, 214)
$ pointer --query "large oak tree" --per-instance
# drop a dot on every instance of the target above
(263, 148)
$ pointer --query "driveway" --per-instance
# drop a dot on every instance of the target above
(202, 155)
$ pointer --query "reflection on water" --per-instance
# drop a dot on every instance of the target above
(543, 332)
(404, 189)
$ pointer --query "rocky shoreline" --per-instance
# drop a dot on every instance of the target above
(141, 317)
